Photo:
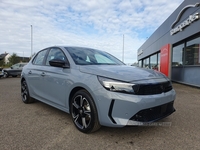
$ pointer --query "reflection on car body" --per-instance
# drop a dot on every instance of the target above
(96, 88)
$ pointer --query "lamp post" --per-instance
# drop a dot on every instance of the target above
(31, 39)
(123, 50)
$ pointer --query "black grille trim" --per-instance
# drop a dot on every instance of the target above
(110, 111)
(154, 113)
(151, 89)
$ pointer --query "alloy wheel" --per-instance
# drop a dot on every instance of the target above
(5, 75)
(24, 91)
(81, 112)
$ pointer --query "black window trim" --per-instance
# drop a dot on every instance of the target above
(45, 57)
(67, 61)
(47, 51)
(184, 42)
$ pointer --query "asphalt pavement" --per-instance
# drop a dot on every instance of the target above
(38, 126)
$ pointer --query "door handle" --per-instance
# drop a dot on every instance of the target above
(30, 72)
(43, 74)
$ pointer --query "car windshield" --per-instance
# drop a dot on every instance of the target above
(15, 66)
(87, 56)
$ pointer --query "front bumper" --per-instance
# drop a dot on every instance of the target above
(1, 75)
(118, 109)
(154, 113)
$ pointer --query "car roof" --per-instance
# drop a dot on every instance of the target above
(67, 46)
(21, 63)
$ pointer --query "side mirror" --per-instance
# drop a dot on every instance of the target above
(58, 63)
(11, 67)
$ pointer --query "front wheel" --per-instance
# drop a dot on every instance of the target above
(83, 112)
(5, 75)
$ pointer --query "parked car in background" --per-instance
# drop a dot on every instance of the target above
(96, 88)
(1, 73)
(14, 71)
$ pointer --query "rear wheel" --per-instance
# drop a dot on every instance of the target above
(25, 93)
(84, 113)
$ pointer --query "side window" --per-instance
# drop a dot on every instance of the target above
(21, 65)
(38, 60)
(55, 53)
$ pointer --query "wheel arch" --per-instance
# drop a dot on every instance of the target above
(28, 98)
(22, 79)
(94, 125)
(76, 89)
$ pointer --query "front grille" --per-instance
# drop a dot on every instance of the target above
(150, 89)
(154, 113)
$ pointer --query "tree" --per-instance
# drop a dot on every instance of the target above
(2, 62)
(13, 59)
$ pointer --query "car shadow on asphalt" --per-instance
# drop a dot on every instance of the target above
(111, 131)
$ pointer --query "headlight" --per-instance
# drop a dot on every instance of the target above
(118, 86)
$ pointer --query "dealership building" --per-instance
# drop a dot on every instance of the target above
(174, 48)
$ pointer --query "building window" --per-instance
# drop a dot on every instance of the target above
(146, 63)
(177, 55)
(153, 62)
(158, 61)
(192, 52)
(140, 63)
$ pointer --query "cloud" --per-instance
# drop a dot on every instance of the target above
(97, 24)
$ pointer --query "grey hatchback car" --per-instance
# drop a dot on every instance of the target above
(96, 88)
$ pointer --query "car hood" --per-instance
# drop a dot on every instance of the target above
(8, 69)
(122, 72)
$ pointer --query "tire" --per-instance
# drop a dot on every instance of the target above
(84, 113)
(5, 75)
(25, 93)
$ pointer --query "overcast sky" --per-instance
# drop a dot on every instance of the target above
(98, 24)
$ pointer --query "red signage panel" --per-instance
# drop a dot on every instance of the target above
(164, 59)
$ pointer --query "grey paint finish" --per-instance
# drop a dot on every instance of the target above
(54, 85)
(125, 73)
